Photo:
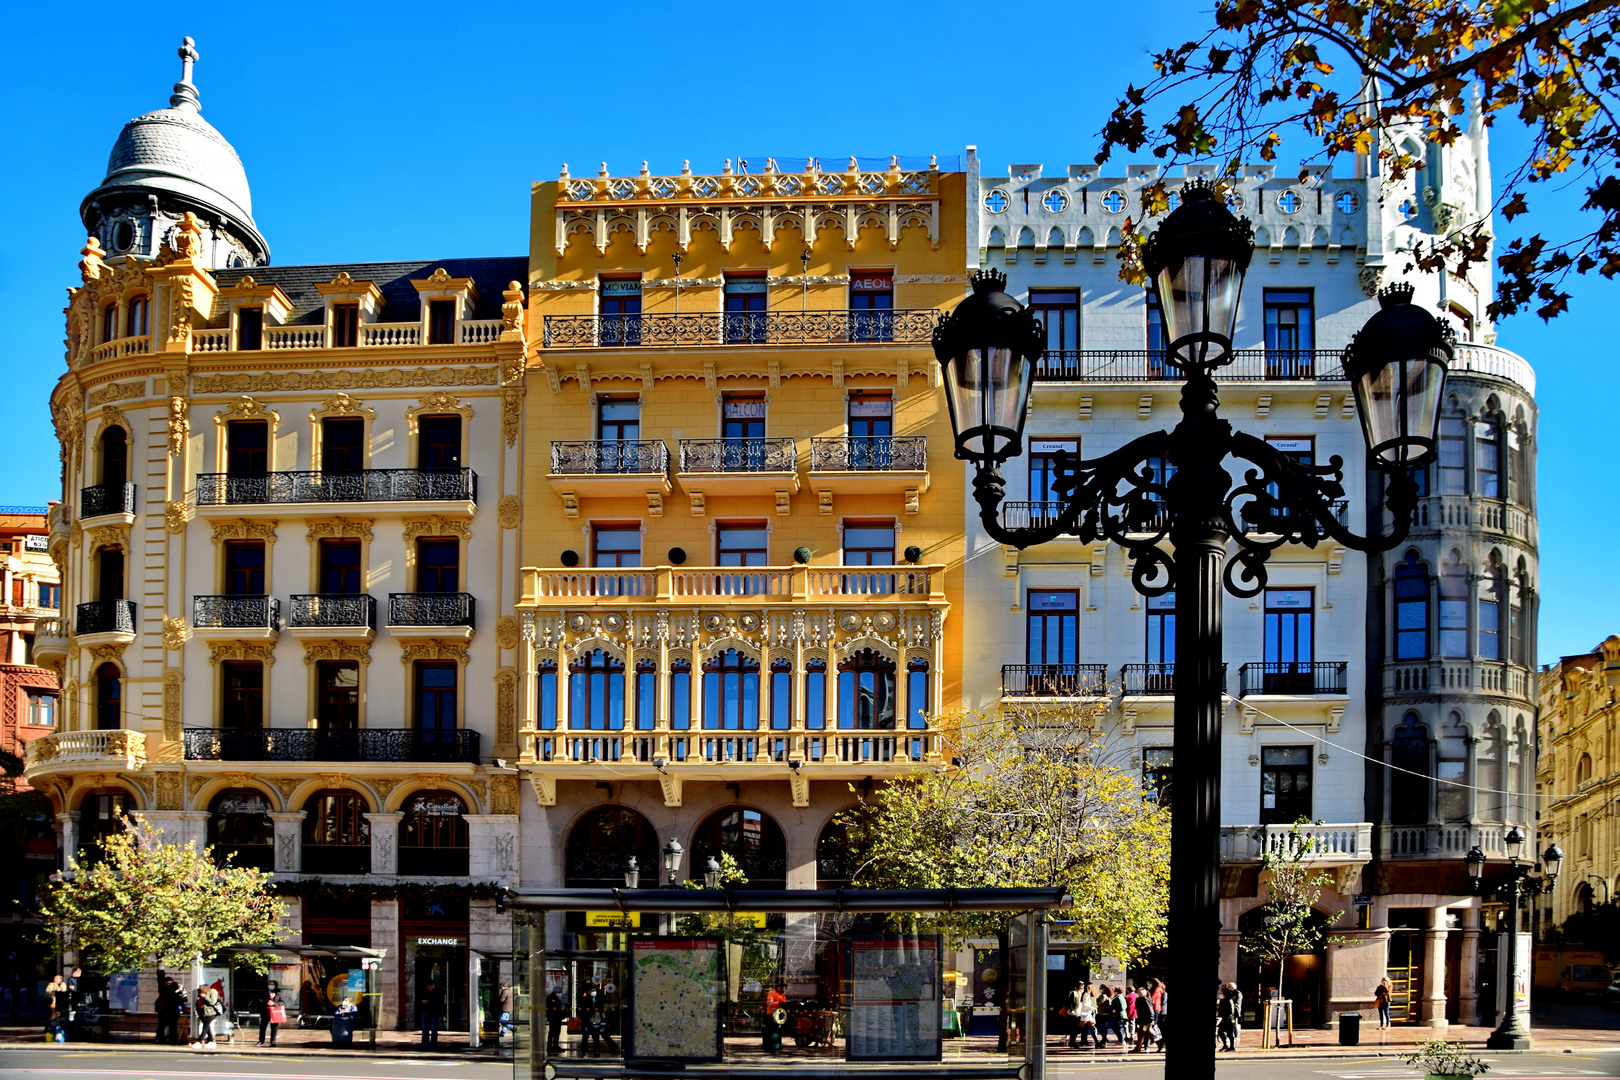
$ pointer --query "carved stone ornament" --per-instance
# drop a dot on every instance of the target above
(110, 536)
(510, 512)
(341, 405)
(437, 526)
(285, 784)
(101, 395)
(338, 527)
(174, 517)
(244, 529)
(512, 308)
(413, 651)
(384, 785)
(91, 266)
(503, 795)
(179, 425)
(262, 651)
(168, 791)
(511, 414)
(506, 707)
(1371, 279)
(506, 632)
(346, 379)
(112, 417)
(174, 634)
(107, 654)
(357, 651)
(186, 241)
(172, 720)
(245, 408)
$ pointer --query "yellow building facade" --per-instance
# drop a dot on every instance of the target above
(1578, 777)
(742, 518)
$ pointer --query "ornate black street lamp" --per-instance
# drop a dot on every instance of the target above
(672, 863)
(1511, 1034)
(1167, 500)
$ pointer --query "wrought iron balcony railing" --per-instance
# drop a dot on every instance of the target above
(105, 617)
(106, 499)
(1149, 365)
(870, 453)
(367, 485)
(610, 456)
(737, 455)
(433, 862)
(1154, 680)
(1054, 680)
(334, 610)
(314, 744)
(1024, 515)
(739, 328)
(235, 612)
(430, 609)
(1293, 677)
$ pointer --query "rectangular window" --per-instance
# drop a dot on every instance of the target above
(620, 300)
(438, 564)
(616, 545)
(438, 442)
(1451, 466)
(869, 543)
(1043, 471)
(42, 708)
(1453, 616)
(1487, 460)
(1515, 464)
(1285, 784)
(441, 322)
(1411, 616)
(618, 419)
(340, 567)
(781, 695)
(249, 329)
(742, 416)
(50, 596)
(1157, 762)
(742, 544)
(16, 592)
(548, 696)
(870, 415)
(337, 695)
(1290, 333)
(247, 448)
(110, 574)
(1059, 313)
(243, 707)
(917, 695)
(646, 696)
(343, 444)
(815, 696)
(1290, 642)
(138, 308)
(1301, 448)
(345, 326)
(435, 696)
(1053, 627)
(1490, 620)
(244, 568)
(745, 308)
(871, 305)
(1157, 345)
(1161, 630)
(680, 696)
(1516, 623)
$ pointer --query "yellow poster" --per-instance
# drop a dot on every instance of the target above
(613, 919)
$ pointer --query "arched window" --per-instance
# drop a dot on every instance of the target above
(1490, 611)
(1451, 795)
(1515, 756)
(602, 841)
(749, 837)
(101, 814)
(1488, 457)
(109, 323)
(646, 695)
(731, 692)
(337, 836)
(1409, 783)
(1453, 612)
(680, 696)
(866, 691)
(1451, 463)
(114, 457)
(781, 695)
(1519, 618)
(596, 692)
(109, 697)
(240, 830)
(1411, 609)
(815, 695)
(1583, 769)
(836, 859)
(1519, 461)
(138, 308)
(1490, 802)
(433, 835)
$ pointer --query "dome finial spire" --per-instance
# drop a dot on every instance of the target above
(185, 92)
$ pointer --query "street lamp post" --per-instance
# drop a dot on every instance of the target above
(1167, 500)
(1511, 1034)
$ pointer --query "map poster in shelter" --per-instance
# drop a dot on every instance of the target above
(893, 1003)
(676, 991)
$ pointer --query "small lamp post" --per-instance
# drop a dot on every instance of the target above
(988, 348)
(1521, 881)
(632, 873)
(672, 863)
(711, 874)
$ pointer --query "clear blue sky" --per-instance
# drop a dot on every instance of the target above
(406, 130)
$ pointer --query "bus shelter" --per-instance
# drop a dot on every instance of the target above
(816, 983)
(313, 980)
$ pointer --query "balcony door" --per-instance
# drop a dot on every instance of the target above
(1052, 641)
(1285, 784)
(247, 448)
(745, 308)
(114, 456)
(438, 564)
(243, 706)
(1161, 644)
(618, 430)
(871, 305)
(1290, 641)
(340, 567)
(1290, 333)
(438, 443)
(342, 444)
(621, 311)
(436, 700)
(1059, 313)
(244, 568)
(337, 695)
(110, 574)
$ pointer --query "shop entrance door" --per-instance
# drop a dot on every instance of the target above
(444, 966)
(1405, 972)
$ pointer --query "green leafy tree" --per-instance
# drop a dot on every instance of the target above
(1289, 923)
(1028, 800)
(1342, 71)
(145, 901)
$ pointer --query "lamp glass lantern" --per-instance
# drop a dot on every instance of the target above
(1476, 864)
(1197, 260)
(711, 874)
(632, 873)
(672, 859)
(1552, 861)
(987, 348)
(1397, 366)
(1513, 842)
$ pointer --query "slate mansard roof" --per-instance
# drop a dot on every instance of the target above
(393, 279)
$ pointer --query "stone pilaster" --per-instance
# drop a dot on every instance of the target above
(492, 847)
(384, 843)
(289, 828)
(385, 938)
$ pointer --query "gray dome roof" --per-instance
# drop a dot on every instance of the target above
(175, 151)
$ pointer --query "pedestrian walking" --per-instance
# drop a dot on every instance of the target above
(1145, 1032)
(1130, 1014)
(272, 1012)
(503, 998)
(430, 1008)
(1382, 995)
(1085, 1016)
(209, 1008)
(169, 999)
(61, 1009)
(1118, 1010)
(1226, 1018)
(1159, 993)
(556, 1015)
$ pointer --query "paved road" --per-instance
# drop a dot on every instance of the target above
(1588, 1066)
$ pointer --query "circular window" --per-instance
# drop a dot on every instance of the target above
(1234, 201)
(1114, 202)
(1288, 202)
(1056, 201)
(123, 237)
(1347, 202)
(996, 201)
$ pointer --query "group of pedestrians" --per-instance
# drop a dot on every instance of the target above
(1136, 1015)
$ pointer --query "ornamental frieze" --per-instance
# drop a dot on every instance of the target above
(241, 383)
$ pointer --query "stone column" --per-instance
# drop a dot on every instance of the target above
(385, 939)
(1433, 1007)
(67, 838)
(492, 847)
(1468, 977)
(384, 841)
(1229, 955)
(289, 841)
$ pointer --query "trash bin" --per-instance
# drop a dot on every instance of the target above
(1349, 1029)
(342, 1029)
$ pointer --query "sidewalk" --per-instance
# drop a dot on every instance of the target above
(288, 1041)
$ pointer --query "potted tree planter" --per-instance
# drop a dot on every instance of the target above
(1441, 1060)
